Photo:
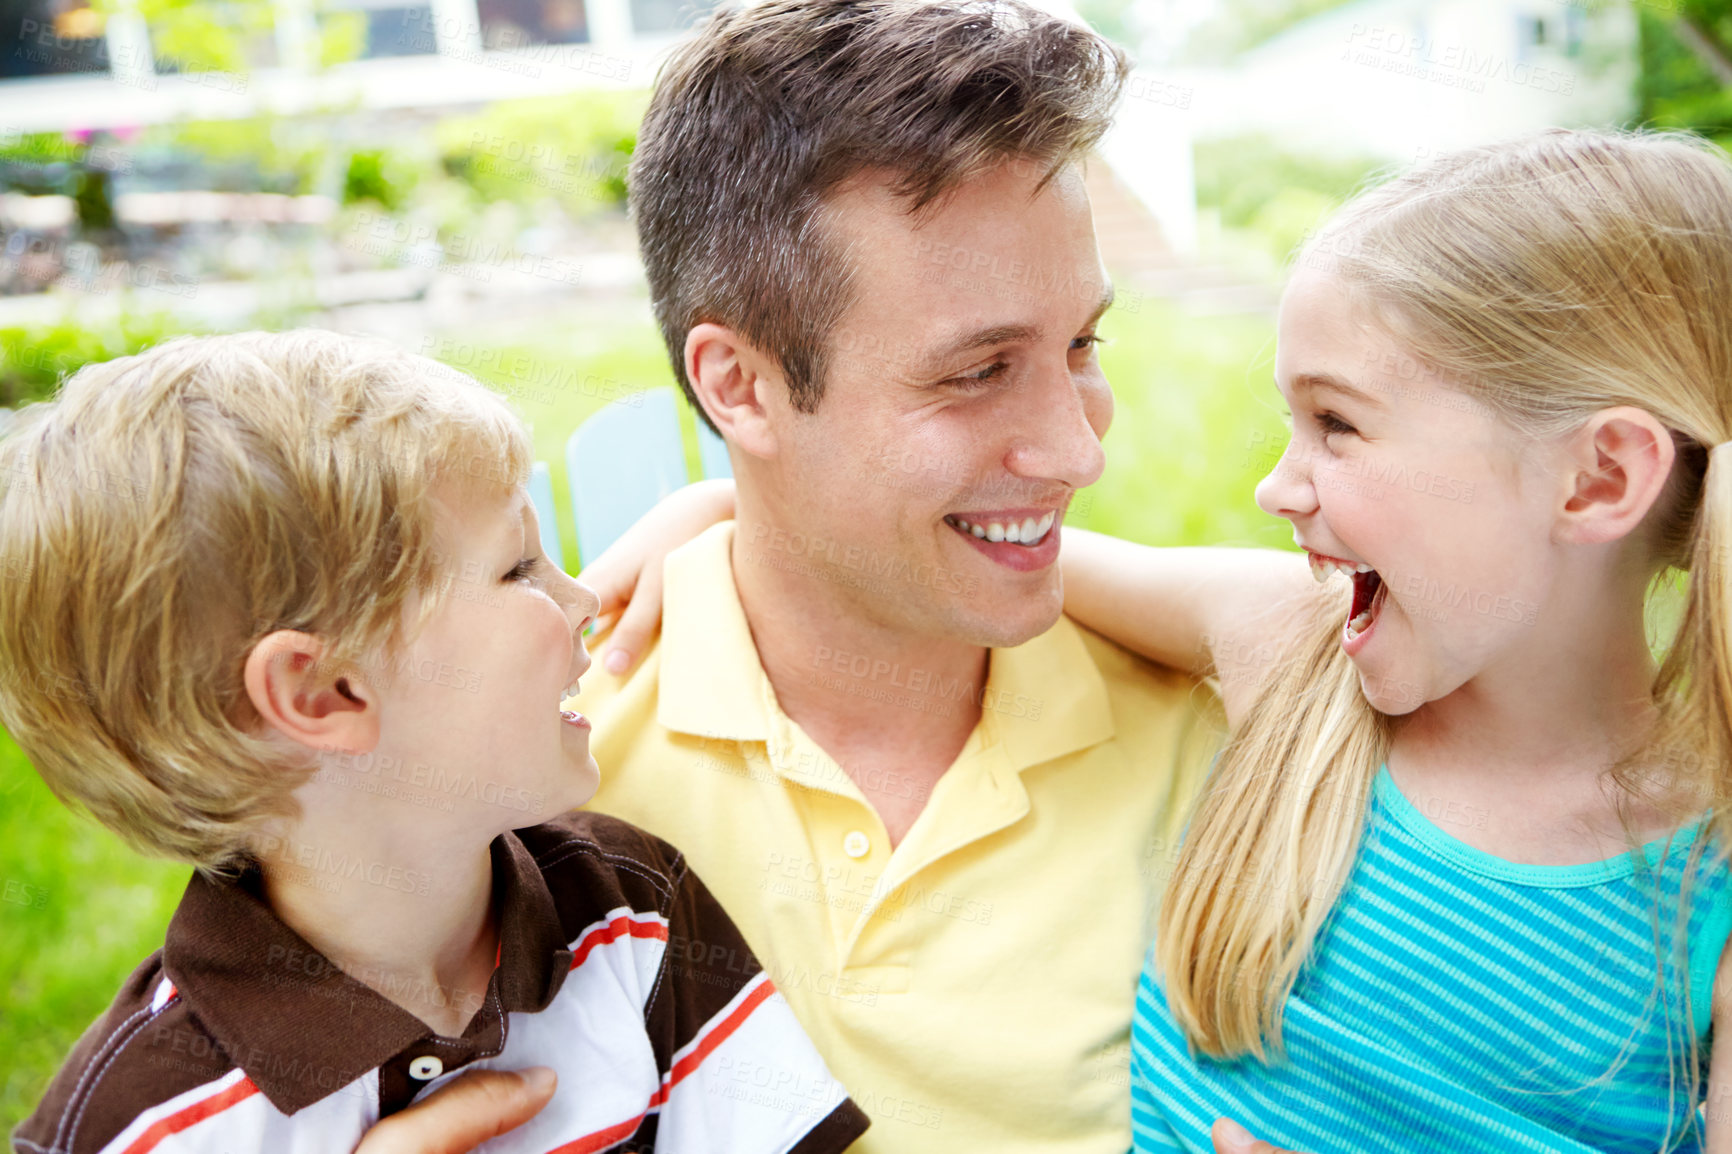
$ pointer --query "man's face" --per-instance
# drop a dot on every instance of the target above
(963, 408)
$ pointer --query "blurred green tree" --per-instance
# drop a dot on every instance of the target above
(1686, 66)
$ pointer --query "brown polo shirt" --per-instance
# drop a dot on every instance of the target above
(616, 968)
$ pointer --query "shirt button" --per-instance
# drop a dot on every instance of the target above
(425, 1069)
(856, 844)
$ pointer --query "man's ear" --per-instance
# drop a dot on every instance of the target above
(307, 700)
(1617, 465)
(738, 385)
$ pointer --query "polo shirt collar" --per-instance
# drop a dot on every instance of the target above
(1046, 697)
(300, 1027)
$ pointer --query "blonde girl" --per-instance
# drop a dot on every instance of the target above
(1455, 883)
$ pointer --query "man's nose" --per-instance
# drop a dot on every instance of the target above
(1062, 428)
(1287, 491)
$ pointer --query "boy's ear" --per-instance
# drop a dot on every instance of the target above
(1618, 463)
(307, 700)
(738, 386)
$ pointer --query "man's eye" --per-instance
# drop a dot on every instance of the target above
(521, 570)
(972, 382)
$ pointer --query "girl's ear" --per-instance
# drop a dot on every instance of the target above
(1617, 465)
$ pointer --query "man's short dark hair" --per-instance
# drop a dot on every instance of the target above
(771, 107)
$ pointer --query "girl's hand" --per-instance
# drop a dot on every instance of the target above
(628, 575)
(1232, 1138)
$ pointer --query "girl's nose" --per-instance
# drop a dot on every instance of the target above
(1287, 490)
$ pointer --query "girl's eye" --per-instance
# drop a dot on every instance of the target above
(1330, 423)
(521, 570)
(1085, 342)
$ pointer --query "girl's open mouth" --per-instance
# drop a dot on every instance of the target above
(1368, 591)
(1368, 598)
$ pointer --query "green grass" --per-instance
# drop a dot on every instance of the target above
(78, 912)
(1195, 420)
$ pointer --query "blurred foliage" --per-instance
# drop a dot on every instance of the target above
(573, 149)
(1114, 19)
(1234, 26)
(1275, 195)
(34, 358)
(202, 36)
(265, 153)
(342, 37)
(380, 175)
(1678, 86)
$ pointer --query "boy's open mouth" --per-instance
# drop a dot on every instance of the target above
(1368, 590)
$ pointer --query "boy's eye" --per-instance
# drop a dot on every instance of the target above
(521, 570)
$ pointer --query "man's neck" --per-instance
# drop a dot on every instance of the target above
(873, 696)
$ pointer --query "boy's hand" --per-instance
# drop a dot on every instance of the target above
(1232, 1138)
(459, 1117)
(628, 575)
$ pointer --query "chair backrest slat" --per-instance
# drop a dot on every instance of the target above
(620, 462)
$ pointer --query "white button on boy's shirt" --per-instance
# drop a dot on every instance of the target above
(856, 844)
(426, 1069)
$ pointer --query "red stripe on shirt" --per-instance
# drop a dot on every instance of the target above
(192, 1115)
(707, 1043)
(612, 932)
(602, 1139)
(717, 1035)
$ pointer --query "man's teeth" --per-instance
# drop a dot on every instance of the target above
(1028, 531)
(1323, 567)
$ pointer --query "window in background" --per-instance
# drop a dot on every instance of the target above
(649, 17)
(508, 24)
(375, 29)
(51, 38)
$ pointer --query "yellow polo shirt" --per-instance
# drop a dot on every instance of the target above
(973, 989)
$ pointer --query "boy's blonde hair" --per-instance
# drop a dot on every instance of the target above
(1548, 278)
(167, 510)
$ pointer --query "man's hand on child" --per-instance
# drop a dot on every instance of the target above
(1232, 1138)
(628, 574)
(459, 1117)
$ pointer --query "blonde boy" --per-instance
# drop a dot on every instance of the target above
(280, 610)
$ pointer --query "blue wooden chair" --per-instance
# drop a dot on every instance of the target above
(618, 463)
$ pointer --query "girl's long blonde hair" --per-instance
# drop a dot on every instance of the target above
(1548, 278)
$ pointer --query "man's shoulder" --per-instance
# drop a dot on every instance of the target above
(147, 1049)
(1128, 672)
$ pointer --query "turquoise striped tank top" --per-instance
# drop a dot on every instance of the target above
(1459, 1003)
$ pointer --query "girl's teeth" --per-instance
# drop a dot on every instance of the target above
(1359, 624)
(1322, 567)
(977, 531)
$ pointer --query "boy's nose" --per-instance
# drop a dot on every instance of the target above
(585, 604)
